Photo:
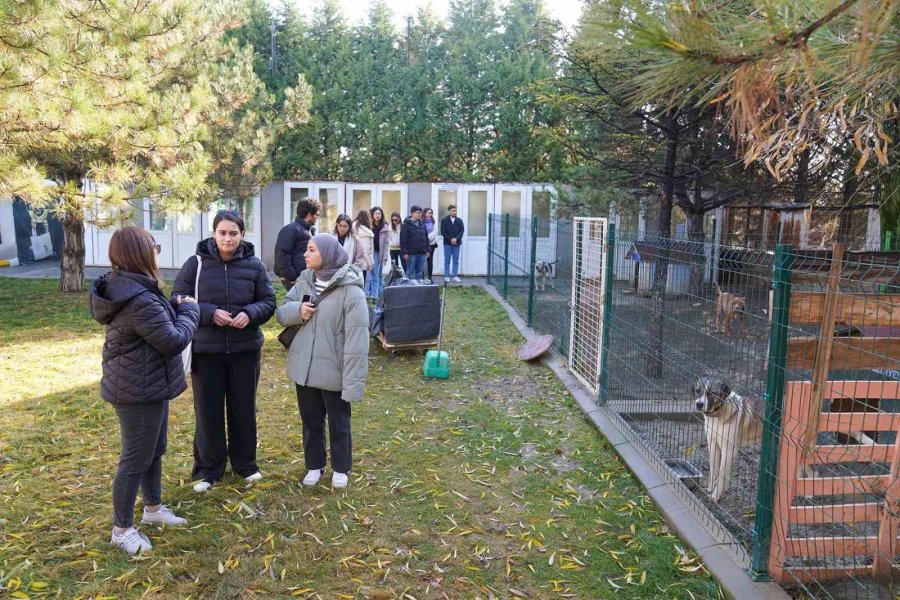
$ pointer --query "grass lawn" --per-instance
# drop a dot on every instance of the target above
(488, 485)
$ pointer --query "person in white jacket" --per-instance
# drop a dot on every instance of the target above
(345, 233)
(365, 238)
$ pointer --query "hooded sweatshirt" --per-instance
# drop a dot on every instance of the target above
(413, 237)
(331, 350)
(240, 284)
(145, 336)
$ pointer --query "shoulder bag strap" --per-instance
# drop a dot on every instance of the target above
(197, 279)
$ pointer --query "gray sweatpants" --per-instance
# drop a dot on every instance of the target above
(142, 429)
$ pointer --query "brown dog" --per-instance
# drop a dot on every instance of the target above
(728, 307)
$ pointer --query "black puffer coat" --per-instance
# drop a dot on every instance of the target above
(144, 338)
(239, 285)
(413, 237)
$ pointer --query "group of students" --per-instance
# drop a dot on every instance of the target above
(220, 299)
(370, 241)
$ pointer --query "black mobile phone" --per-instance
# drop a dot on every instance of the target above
(305, 299)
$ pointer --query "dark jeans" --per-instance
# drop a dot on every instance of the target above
(415, 266)
(224, 384)
(314, 405)
(142, 431)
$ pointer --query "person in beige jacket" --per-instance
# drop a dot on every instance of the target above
(329, 357)
(365, 238)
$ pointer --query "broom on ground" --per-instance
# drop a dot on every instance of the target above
(437, 362)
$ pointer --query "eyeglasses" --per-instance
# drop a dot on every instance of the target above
(158, 248)
(227, 212)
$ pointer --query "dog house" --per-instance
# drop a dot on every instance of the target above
(683, 257)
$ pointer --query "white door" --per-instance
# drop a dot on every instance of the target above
(329, 194)
(360, 196)
(442, 196)
(391, 198)
(510, 201)
(249, 211)
(160, 226)
(541, 202)
(187, 233)
(476, 204)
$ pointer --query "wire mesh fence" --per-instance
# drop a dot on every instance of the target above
(713, 361)
(530, 263)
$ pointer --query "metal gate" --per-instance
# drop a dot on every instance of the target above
(586, 330)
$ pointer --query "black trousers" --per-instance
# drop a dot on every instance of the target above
(142, 431)
(224, 386)
(430, 267)
(315, 405)
(396, 258)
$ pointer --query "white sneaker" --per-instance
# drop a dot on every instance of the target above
(202, 487)
(163, 516)
(132, 541)
(313, 477)
(457, 280)
(254, 478)
(339, 480)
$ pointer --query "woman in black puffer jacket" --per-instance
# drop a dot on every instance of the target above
(236, 298)
(142, 371)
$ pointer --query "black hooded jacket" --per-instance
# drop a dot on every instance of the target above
(239, 285)
(145, 336)
(290, 249)
(413, 237)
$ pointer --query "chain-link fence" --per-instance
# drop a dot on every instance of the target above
(712, 360)
(530, 263)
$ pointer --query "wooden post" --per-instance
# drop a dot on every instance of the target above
(823, 350)
(889, 527)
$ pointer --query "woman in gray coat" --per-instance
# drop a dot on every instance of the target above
(329, 357)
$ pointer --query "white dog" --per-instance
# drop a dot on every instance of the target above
(542, 270)
(731, 421)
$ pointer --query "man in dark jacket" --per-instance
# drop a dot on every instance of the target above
(414, 244)
(290, 247)
(452, 230)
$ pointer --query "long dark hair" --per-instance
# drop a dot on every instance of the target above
(363, 219)
(133, 249)
(378, 225)
(346, 219)
(396, 227)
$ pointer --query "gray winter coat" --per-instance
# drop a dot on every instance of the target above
(331, 350)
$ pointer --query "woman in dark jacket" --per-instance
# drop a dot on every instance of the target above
(236, 298)
(142, 371)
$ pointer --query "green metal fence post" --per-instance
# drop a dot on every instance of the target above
(608, 279)
(490, 246)
(774, 398)
(534, 228)
(506, 257)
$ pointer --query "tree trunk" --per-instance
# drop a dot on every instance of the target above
(664, 228)
(801, 185)
(698, 250)
(845, 221)
(72, 262)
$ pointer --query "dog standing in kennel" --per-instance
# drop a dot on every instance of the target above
(730, 422)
